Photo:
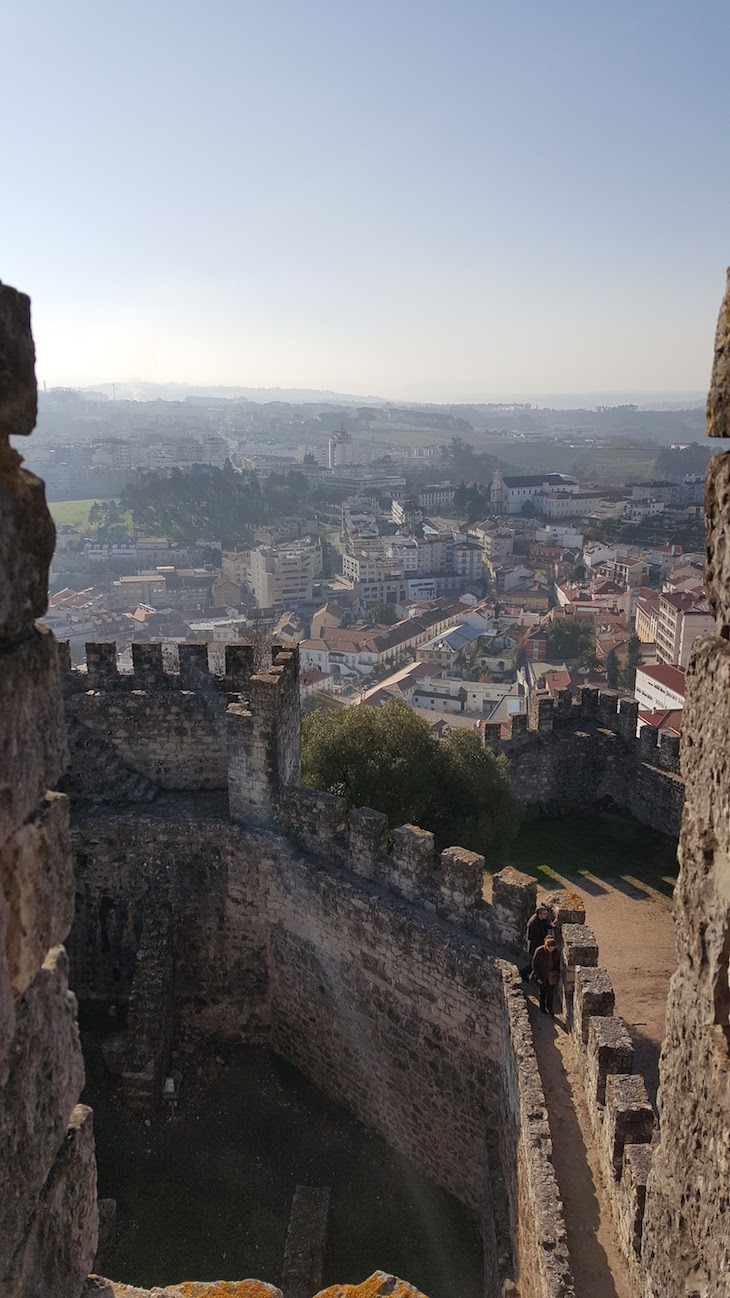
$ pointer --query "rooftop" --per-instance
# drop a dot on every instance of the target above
(662, 674)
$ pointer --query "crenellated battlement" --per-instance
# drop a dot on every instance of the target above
(405, 862)
(150, 671)
(593, 709)
(578, 756)
(620, 1112)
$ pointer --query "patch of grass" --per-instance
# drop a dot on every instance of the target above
(75, 513)
(602, 845)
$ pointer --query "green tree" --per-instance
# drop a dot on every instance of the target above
(612, 668)
(384, 613)
(386, 758)
(569, 637)
(460, 495)
(633, 660)
(588, 661)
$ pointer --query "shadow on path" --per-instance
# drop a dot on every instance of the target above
(594, 1253)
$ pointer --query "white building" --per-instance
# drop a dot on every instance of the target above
(511, 494)
(281, 577)
(436, 497)
(659, 688)
(681, 619)
(340, 450)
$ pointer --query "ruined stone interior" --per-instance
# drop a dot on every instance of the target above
(218, 906)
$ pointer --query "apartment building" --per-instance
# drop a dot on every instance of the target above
(646, 618)
(436, 497)
(680, 620)
(236, 566)
(659, 687)
(281, 577)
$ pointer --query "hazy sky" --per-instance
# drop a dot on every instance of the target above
(435, 199)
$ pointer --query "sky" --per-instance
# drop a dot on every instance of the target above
(437, 200)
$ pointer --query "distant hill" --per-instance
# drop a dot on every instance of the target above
(141, 391)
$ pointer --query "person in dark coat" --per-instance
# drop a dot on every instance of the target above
(538, 928)
(546, 969)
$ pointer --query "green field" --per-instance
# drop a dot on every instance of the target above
(73, 512)
(601, 845)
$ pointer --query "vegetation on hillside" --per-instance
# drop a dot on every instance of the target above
(386, 758)
(213, 504)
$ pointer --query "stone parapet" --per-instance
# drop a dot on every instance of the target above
(610, 1051)
(462, 880)
(592, 995)
(628, 1120)
(413, 861)
(514, 897)
(578, 949)
(618, 1107)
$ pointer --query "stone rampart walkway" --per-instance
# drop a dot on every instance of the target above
(598, 1267)
(633, 924)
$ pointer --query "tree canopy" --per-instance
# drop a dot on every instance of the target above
(213, 503)
(386, 758)
(569, 637)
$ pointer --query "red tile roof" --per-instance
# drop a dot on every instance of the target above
(663, 674)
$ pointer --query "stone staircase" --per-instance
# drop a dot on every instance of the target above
(98, 773)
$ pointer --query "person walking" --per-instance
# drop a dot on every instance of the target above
(538, 927)
(546, 968)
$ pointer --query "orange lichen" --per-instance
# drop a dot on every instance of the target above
(222, 1289)
(377, 1285)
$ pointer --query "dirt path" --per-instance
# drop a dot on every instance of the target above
(633, 924)
(598, 1267)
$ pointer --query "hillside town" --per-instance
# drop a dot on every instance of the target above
(467, 600)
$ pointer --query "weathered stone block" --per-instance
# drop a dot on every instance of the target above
(462, 878)
(27, 538)
(36, 876)
(610, 1050)
(718, 398)
(193, 660)
(97, 1287)
(32, 734)
(632, 1200)
(413, 860)
(45, 1079)
(101, 665)
(59, 1248)
(368, 841)
(578, 949)
(149, 670)
(7, 1000)
(628, 1120)
(514, 897)
(315, 820)
(593, 996)
(568, 907)
(18, 392)
(717, 537)
(239, 665)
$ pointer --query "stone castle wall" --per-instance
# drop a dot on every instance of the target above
(577, 757)
(48, 1218)
(170, 727)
